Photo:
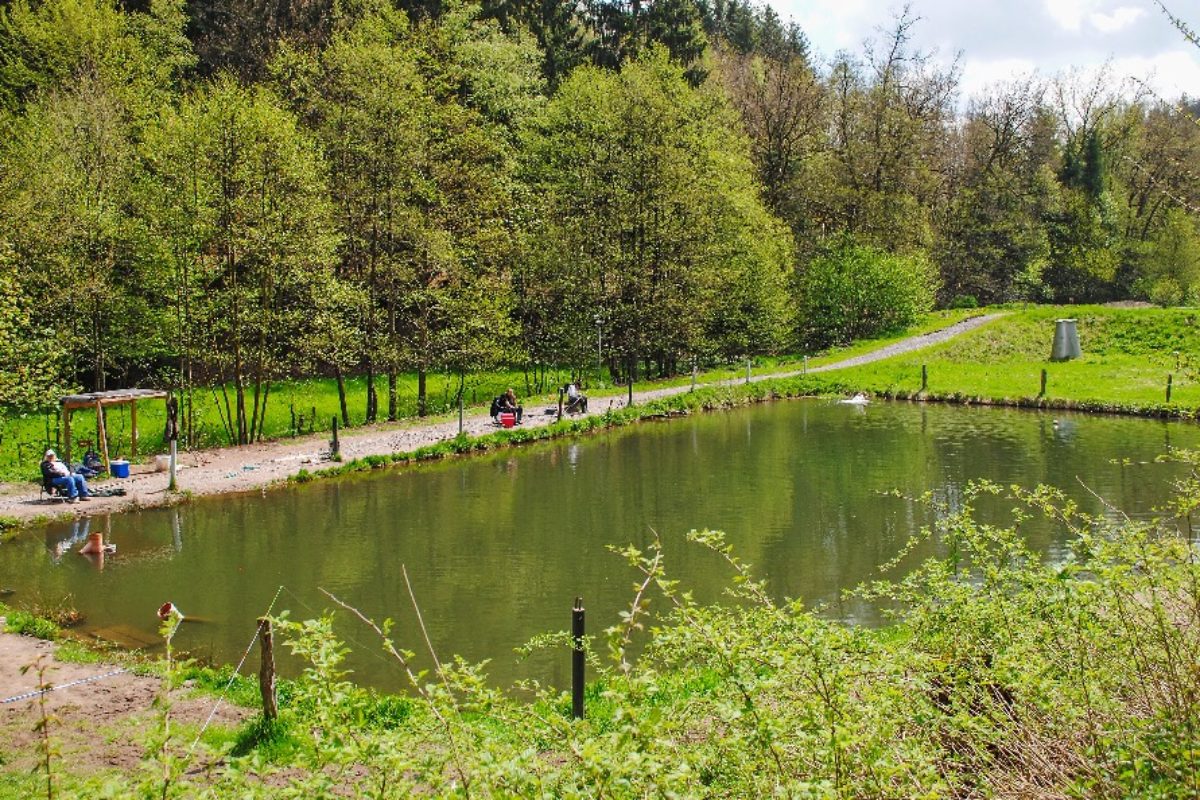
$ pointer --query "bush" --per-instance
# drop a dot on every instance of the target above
(853, 291)
(964, 301)
(26, 624)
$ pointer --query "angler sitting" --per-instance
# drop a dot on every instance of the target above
(57, 474)
(576, 400)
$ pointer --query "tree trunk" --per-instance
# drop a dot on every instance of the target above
(372, 395)
(392, 411)
(421, 406)
(341, 384)
(262, 417)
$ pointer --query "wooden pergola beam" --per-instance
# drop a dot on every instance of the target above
(99, 401)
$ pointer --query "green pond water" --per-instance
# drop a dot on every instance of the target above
(498, 546)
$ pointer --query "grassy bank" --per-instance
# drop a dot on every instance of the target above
(1128, 355)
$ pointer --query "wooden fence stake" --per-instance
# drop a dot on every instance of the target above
(266, 672)
(577, 659)
(1042, 393)
(335, 447)
(1170, 378)
(924, 377)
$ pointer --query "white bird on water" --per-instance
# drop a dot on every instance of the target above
(859, 399)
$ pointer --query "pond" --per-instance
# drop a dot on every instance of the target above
(496, 547)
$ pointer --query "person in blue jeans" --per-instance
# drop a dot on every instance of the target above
(58, 474)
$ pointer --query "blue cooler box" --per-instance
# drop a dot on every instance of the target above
(120, 468)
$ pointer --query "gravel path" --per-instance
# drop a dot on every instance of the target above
(253, 467)
(896, 348)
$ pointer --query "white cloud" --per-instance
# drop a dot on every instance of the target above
(1001, 40)
(1169, 74)
(979, 74)
(1119, 18)
(1068, 14)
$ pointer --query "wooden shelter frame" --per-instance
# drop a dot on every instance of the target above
(100, 400)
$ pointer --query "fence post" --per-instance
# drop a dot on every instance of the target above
(748, 361)
(924, 377)
(632, 367)
(577, 659)
(1170, 378)
(335, 447)
(266, 671)
(1042, 393)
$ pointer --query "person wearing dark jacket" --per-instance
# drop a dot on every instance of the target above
(59, 475)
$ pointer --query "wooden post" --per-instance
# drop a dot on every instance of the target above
(806, 365)
(335, 447)
(171, 483)
(266, 671)
(103, 435)
(577, 659)
(924, 377)
(1170, 378)
(1042, 393)
(560, 404)
(133, 430)
(693, 374)
(748, 362)
(460, 413)
(67, 435)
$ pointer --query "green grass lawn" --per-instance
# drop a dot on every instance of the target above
(314, 402)
(1127, 356)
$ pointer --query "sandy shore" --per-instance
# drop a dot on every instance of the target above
(254, 467)
(93, 710)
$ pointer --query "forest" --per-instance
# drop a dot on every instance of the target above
(223, 194)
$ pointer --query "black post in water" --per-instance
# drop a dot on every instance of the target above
(335, 448)
(577, 660)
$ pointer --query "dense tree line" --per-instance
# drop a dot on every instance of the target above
(219, 195)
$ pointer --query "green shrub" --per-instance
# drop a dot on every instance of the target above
(27, 624)
(964, 301)
(852, 291)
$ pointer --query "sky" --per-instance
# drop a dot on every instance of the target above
(1000, 40)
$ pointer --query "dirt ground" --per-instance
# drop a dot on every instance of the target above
(95, 724)
(254, 467)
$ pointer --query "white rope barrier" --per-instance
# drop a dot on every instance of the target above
(67, 685)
